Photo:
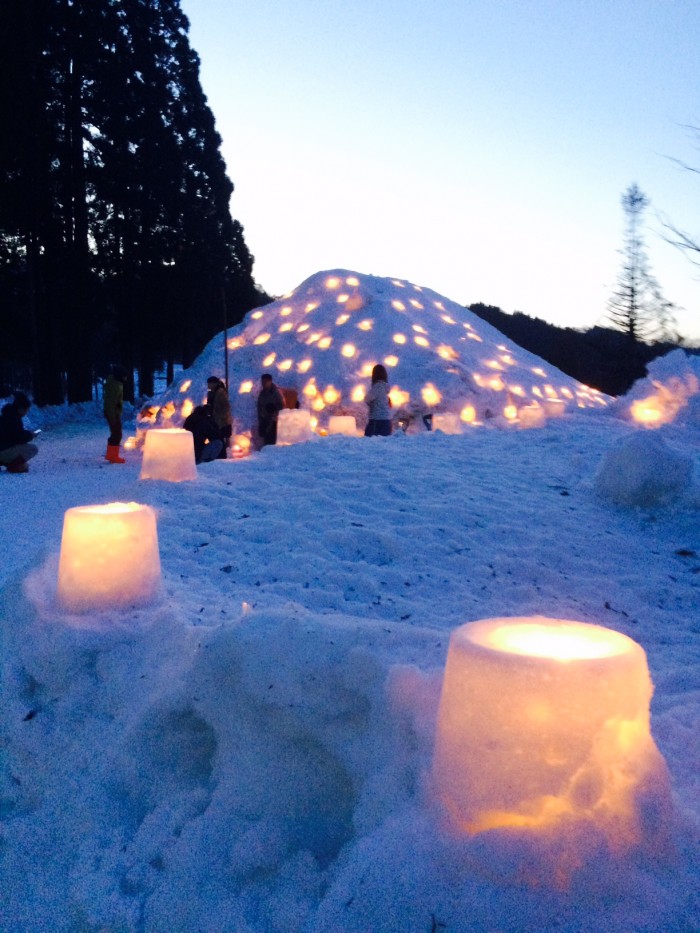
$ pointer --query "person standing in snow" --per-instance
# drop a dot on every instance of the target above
(270, 404)
(15, 446)
(379, 404)
(219, 408)
(113, 404)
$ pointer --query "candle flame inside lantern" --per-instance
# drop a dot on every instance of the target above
(544, 723)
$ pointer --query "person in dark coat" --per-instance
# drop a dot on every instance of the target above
(219, 407)
(270, 404)
(15, 440)
(207, 439)
(113, 404)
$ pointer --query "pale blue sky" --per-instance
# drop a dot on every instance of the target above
(477, 147)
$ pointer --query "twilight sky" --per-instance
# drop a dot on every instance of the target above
(476, 147)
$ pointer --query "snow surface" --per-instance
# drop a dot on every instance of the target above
(252, 753)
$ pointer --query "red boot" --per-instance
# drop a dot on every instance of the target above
(112, 455)
(18, 465)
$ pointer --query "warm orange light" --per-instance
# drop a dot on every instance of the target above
(303, 327)
(447, 422)
(342, 424)
(325, 342)
(341, 319)
(399, 338)
(269, 359)
(256, 315)
(398, 305)
(399, 397)
(341, 299)
(331, 395)
(647, 411)
(304, 365)
(285, 311)
(532, 416)
(391, 360)
(283, 328)
(168, 454)
(538, 371)
(285, 365)
(332, 282)
(366, 325)
(245, 387)
(318, 404)
(235, 342)
(187, 408)
(544, 723)
(109, 557)
(468, 414)
(416, 304)
(354, 303)
(510, 412)
(185, 385)
(431, 395)
(367, 368)
(418, 329)
(261, 339)
(358, 393)
(421, 341)
(447, 353)
(349, 350)
(310, 390)
(352, 280)
(447, 319)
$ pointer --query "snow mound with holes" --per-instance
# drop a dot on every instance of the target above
(322, 340)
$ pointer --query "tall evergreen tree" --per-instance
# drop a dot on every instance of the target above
(637, 306)
(115, 228)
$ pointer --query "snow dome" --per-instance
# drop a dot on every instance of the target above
(669, 392)
(321, 341)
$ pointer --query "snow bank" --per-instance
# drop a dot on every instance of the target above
(642, 470)
(670, 392)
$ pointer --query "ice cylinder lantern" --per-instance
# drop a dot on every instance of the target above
(109, 557)
(168, 454)
(294, 426)
(543, 721)
(342, 424)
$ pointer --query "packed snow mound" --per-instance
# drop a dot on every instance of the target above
(643, 471)
(669, 392)
(322, 340)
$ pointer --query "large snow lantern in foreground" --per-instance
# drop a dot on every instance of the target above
(168, 454)
(544, 724)
(109, 557)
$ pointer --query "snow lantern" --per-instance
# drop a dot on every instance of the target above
(448, 422)
(168, 454)
(531, 416)
(109, 557)
(544, 725)
(293, 426)
(342, 424)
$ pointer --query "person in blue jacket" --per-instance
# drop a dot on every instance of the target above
(15, 440)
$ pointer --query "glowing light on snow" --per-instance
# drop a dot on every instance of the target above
(185, 385)
(331, 395)
(391, 360)
(109, 557)
(468, 414)
(430, 395)
(342, 424)
(341, 319)
(303, 366)
(399, 338)
(269, 359)
(168, 454)
(245, 387)
(366, 325)
(261, 339)
(398, 305)
(349, 350)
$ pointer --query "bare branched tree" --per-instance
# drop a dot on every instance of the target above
(687, 242)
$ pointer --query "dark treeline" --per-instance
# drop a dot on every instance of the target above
(116, 238)
(605, 359)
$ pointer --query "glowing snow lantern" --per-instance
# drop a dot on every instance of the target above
(168, 454)
(294, 426)
(531, 416)
(109, 557)
(342, 424)
(431, 396)
(447, 422)
(468, 414)
(544, 723)
(130, 443)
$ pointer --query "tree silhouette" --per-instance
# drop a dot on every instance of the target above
(637, 306)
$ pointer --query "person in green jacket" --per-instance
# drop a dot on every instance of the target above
(113, 399)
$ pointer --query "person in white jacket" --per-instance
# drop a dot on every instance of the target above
(379, 404)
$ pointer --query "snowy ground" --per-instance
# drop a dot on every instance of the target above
(251, 754)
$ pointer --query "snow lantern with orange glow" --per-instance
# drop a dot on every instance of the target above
(293, 426)
(109, 557)
(543, 727)
(168, 454)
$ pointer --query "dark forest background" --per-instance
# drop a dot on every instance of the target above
(116, 240)
(117, 244)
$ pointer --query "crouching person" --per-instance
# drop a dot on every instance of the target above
(15, 440)
(208, 443)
